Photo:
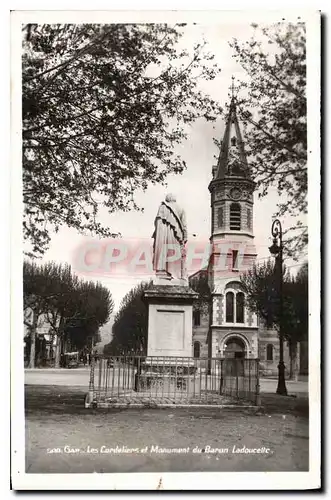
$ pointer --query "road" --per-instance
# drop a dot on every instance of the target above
(80, 377)
(62, 436)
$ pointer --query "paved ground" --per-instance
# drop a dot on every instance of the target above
(57, 424)
(80, 377)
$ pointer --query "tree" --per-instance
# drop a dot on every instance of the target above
(131, 324)
(103, 108)
(37, 294)
(200, 284)
(93, 311)
(274, 114)
(75, 309)
(62, 305)
(296, 321)
(261, 287)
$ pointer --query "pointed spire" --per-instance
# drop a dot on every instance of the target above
(232, 160)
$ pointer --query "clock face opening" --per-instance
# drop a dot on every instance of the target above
(235, 193)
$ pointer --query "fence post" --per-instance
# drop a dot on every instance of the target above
(221, 384)
(257, 392)
(237, 361)
(249, 378)
(137, 377)
(99, 361)
(91, 383)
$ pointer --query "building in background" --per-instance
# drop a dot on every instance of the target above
(45, 339)
(227, 328)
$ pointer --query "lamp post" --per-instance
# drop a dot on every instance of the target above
(276, 249)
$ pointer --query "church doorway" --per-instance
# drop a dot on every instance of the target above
(234, 347)
(234, 351)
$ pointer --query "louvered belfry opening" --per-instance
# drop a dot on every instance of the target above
(235, 217)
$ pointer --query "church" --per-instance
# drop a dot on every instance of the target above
(227, 328)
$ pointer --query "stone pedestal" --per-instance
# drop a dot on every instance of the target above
(170, 319)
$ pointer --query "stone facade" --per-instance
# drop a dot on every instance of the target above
(169, 320)
(257, 343)
(200, 335)
(269, 353)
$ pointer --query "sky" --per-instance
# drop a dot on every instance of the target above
(190, 188)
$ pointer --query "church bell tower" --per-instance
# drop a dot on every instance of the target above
(232, 243)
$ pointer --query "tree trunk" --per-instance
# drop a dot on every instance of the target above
(293, 352)
(58, 347)
(57, 352)
(33, 333)
(291, 368)
(51, 349)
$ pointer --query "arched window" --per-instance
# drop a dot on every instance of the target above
(249, 218)
(229, 307)
(196, 350)
(270, 352)
(235, 217)
(196, 317)
(240, 299)
(234, 303)
(220, 217)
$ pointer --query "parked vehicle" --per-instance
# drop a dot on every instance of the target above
(71, 359)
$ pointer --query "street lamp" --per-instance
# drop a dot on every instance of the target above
(276, 249)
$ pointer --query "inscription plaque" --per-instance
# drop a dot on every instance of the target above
(170, 328)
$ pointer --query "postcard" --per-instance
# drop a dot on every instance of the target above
(165, 250)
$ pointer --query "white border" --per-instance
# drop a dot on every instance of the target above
(170, 481)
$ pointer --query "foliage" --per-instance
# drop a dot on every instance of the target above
(37, 294)
(131, 324)
(37, 288)
(74, 309)
(297, 292)
(274, 113)
(103, 108)
(200, 284)
(92, 311)
(261, 285)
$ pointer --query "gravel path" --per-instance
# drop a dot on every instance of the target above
(62, 436)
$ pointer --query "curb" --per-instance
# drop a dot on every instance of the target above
(94, 404)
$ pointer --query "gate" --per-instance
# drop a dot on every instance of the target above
(162, 380)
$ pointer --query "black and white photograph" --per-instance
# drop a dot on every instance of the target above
(166, 188)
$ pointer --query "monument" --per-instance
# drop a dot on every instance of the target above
(170, 299)
(170, 236)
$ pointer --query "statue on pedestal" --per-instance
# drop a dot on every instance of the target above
(170, 237)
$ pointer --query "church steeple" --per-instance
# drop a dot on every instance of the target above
(232, 186)
(232, 243)
(232, 159)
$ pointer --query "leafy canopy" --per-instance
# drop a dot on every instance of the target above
(74, 308)
(199, 282)
(261, 285)
(131, 324)
(273, 109)
(103, 109)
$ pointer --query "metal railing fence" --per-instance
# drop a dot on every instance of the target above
(176, 380)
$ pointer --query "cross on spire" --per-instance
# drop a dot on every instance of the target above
(234, 90)
(232, 87)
